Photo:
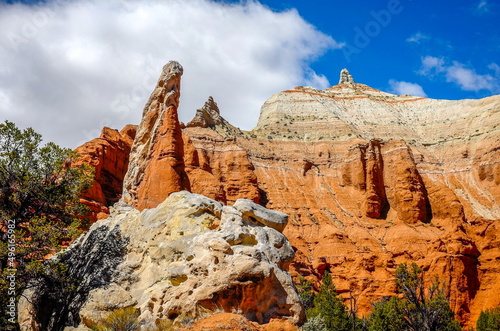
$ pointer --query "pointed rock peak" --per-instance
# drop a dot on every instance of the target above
(172, 68)
(345, 77)
(207, 116)
(156, 166)
(212, 105)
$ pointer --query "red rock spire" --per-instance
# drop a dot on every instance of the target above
(156, 166)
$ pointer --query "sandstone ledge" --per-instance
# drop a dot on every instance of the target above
(189, 255)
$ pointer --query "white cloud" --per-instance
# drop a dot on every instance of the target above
(315, 80)
(431, 65)
(417, 38)
(70, 67)
(401, 88)
(466, 78)
(496, 68)
(482, 7)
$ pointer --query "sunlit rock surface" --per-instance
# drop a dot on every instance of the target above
(190, 257)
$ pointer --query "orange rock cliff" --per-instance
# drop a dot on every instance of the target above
(109, 156)
(369, 180)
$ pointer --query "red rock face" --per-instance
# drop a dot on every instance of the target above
(411, 192)
(156, 166)
(219, 168)
(108, 155)
(405, 189)
(363, 170)
(362, 208)
(165, 173)
(234, 322)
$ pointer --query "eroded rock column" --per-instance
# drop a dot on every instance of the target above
(156, 166)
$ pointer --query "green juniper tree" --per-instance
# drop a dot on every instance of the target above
(386, 315)
(330, 307)
(304, 289)
(423, 309)
(39, 209)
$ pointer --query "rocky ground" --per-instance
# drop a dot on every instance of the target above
(188, 258)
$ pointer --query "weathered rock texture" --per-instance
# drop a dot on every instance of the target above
(156, 166)
(234, 322)
(163, 160)
(345, 77)
(369, 179)
(190, 257)
(108, 155)
(209, 117)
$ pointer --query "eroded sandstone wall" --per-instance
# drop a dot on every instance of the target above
(369, 180)
(362, 208)
(108, 155)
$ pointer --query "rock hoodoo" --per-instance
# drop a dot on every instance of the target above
(189, 258)
(345, 77)
(164, 160)
(156, 166)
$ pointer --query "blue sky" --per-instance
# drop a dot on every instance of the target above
(70, 67)
(463, 35)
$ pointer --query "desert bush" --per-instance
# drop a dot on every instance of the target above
(316, 323)
(489, 320)
(123, 319)
(39, 209)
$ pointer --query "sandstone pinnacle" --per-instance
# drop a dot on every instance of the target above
(164, 160)
(207, 116)
(345, 77)
(156, 166)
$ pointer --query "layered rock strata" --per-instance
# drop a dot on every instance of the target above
(360, 214)
(189, 258)
(356, 110)
(372, 193)
(369, 179)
